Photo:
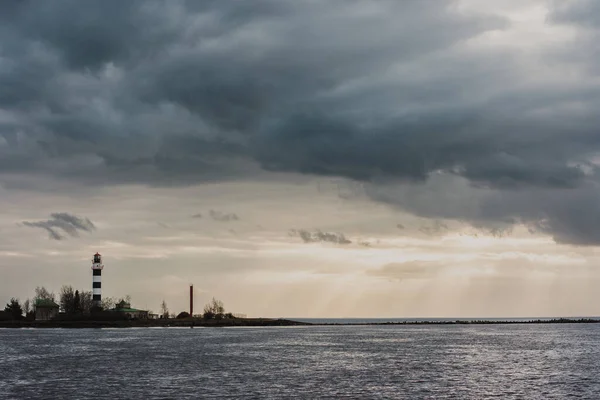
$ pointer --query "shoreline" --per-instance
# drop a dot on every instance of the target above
(149, 323)
(469, 322)
(265, 322)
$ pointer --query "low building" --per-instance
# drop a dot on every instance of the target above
(45, 310)
(124, 308)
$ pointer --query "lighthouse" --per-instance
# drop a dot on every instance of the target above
(97, 268)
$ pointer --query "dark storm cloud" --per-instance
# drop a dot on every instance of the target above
(68, 223)
(182, 92)
(319, 236)
(584, 16)
(176, 91)
(582, 12)
(88, 36)
(570, 216)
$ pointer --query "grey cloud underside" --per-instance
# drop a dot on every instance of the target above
(70, 224)
(319, 236)
(436, 228)
(222, 216)
(386, 93)
(219, 216)
(407, 270)
(571, 216)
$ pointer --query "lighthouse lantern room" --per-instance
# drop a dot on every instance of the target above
(97, 268)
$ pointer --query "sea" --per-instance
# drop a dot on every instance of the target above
(520, 361)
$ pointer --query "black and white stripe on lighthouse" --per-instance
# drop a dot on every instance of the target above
(97, 280)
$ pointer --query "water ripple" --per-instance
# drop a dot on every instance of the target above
(403, 362)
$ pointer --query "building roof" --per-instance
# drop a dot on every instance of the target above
(45, 303)
(127, 310)
(124, 306)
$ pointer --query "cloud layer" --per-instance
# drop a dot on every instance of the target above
(65, 222)
(222, 216)
(456, 102)
(319, 236)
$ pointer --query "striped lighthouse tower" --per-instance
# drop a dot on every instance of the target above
(97, 268)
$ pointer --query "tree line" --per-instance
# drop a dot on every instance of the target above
(70, 301)
(73, 302)
(18, 311)
(214, 309)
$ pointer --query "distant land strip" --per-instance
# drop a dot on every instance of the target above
(266, 322)
(470, 322)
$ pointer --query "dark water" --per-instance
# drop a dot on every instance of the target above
(407, 362)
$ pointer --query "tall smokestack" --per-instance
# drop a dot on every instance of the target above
(191, 300)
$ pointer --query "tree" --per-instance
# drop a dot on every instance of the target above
(27, 306)
(77, 302)
(74, 302)
(108, 303)
(183, 314)
(14, 309)
(44, 294)
(86, 302)
(28, 309)
(164, 310)
(67, 299)
(214, 307)
(41, 293)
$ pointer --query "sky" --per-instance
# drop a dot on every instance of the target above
(305, 159)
